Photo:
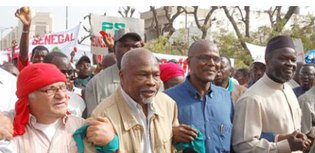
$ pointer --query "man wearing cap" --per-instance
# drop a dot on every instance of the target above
(41, 123)
(267, 116)
(84, 72)
(171, 74)
(257, 70)
(106, 82)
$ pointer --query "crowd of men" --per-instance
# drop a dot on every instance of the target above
(132, 103)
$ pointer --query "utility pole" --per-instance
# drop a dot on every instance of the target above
(67, 17)
(1, 32)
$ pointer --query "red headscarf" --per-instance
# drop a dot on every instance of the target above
(170, 70)
(32, 78)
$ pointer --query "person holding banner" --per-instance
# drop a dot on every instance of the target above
(107, 81)
(39, 52)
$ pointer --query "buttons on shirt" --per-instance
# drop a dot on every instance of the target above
(196, 96)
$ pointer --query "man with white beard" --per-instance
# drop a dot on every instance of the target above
(143, 118)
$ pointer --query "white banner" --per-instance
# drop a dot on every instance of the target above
(182, 60)
(111, 25)
(65, 40)
(257, 52)
(300, 56)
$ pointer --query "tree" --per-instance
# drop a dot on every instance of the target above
(163, 45)
(278, 21)
(86, 29)
(235, 25)
(126, 12)
(206, 22)
(155, 22)
(168, 26)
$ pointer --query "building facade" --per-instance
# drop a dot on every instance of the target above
(42, 23)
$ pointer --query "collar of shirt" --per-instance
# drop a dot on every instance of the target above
(32, 120)
(134, 106)
(271, 83)
(194, 93)
(142, 120)
(129, 120)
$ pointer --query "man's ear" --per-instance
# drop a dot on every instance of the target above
(121, 76)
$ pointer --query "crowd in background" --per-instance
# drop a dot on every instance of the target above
(131, 102)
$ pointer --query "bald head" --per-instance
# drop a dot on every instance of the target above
(140, 75)
(137, 57)
(203, 61)
(202, 45)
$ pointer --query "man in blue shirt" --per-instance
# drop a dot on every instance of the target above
(203, 104)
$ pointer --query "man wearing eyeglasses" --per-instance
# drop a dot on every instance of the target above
(76, 104)
(42, 122)
(208, 107)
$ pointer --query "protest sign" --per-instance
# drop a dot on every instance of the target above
(299, 50)
(111, 25)
(65, 40)
(257, 52)
(182, 60)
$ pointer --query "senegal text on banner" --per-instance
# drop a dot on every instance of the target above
(65, 40)
(111, 25)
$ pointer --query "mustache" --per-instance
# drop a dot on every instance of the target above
(150, 89)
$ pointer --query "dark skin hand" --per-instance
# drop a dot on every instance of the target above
(184, 133)
(298, 141)
(24, 14)
(100, 131)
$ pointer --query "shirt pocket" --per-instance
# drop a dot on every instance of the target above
(163, 139)
(225, 135)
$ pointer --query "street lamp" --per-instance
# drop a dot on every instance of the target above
(1, 31)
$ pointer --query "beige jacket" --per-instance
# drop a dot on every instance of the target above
(101, 86)
(130, 131)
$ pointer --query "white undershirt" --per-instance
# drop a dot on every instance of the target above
(48, 129)
(137, 110)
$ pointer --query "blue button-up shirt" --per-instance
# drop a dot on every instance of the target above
(212, 116)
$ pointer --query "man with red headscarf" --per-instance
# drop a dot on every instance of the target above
(41, 122)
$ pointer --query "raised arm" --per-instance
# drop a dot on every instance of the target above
(24, 14)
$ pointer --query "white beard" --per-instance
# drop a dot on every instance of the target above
(146, 100)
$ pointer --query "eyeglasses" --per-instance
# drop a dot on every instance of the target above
(207, 59)
(69, 72)
(53, 90)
